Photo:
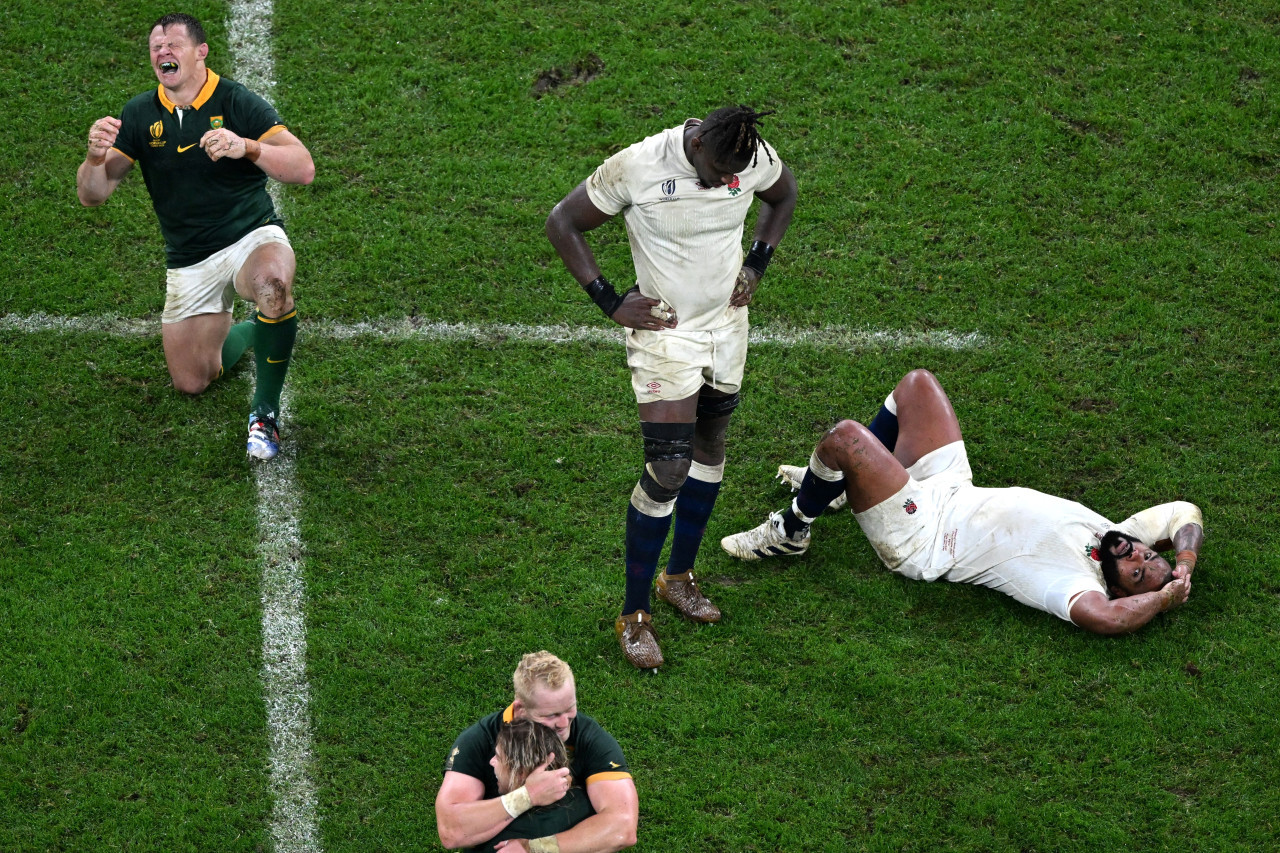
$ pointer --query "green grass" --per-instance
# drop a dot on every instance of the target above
(1093, 191)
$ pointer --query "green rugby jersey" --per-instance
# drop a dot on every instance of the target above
(594, 756)
(203, 206)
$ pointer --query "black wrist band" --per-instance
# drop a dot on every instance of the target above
(603, 294)
(758, 257)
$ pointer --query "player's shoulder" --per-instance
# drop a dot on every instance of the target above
(587, 730)
(486, 728)
(143, 101)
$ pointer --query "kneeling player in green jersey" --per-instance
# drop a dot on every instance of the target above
(206, 146)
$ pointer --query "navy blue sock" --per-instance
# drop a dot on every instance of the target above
(693, 511)
(791, 523)
(885, 428)
(645, 537)
(815, 495)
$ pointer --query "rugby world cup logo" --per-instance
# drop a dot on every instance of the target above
(910, 507)
(157, 131)
(669, 186)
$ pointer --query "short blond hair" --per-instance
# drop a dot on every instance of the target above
(539, 668)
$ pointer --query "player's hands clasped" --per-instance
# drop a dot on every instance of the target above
(1178, 590)
(745, 288)
(640, 312)
(102, 135)
(511, 845)
(547, 786)
(222, 143)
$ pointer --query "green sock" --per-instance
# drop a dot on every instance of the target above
(272, 351)
(238, 340)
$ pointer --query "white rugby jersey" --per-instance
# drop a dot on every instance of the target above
(686, 241)
(1037, 548)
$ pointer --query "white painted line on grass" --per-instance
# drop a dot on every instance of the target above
(284, 656)
(286, 692)
(832, 337)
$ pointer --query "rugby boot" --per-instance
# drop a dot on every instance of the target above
(793, 476)
(638, 640)
(264, 440)
(770, 539)
(682, 593)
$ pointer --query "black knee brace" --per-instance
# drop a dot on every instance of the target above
(668, 452)
(718, 406)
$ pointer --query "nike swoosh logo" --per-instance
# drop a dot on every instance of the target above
(182, 148)
(271, 360)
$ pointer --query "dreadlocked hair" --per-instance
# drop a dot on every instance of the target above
(730, 134)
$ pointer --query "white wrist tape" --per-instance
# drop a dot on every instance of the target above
(517, 802)
(545, 844)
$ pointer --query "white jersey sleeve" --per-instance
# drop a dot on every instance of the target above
(609, 186)
(1160, 522)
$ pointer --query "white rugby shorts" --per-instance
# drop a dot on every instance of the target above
(209, 287)
(672, 364)
(903, 529)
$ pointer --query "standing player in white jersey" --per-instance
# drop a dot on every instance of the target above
(908, 481)
(684, 195)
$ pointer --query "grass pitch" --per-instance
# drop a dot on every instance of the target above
(1092, 192)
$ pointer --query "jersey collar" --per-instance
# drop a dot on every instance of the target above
(206, 92)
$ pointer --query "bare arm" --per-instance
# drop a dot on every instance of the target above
(567, 224)
(103, 167)
(1094, 612)
(777, 204)
(465, 819)
(612, 827)
(281, 155)
(1187, 541)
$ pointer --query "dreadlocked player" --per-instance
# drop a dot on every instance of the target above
(684, 194)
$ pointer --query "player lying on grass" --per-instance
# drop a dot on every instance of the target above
(206, 146)
(473, 809)
(907, 479)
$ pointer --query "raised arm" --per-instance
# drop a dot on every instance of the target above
(103, 167)
(1094, 612)
(1187, 541)
(281, 154)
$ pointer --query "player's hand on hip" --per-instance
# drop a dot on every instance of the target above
(638, 311)
(102, 135)
(745, 287)
(547, 786)
(222, 143)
